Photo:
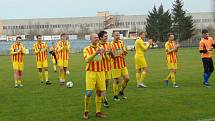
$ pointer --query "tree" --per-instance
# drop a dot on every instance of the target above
(183, 25)
(159, 23)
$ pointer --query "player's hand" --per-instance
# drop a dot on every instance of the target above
(150, 41)
(178, 46)
(124, 53)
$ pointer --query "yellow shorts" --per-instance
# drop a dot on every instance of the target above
(117, 73)
(42, 64)
(172, 65)
(95, 80)
(140, 62)
(62, 63)
(17, 66)
(108, 75)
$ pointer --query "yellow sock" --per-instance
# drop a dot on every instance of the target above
(64, 76)
(138, 76)
(86, 103)
(47, 75)
(19, 81)
(173, 77)
(168, 77)
(55, 68)
(124, 85)
(143, 76)
(115, 88)
(61, 75)
(16, 81)
(98, 103)
(40, 76)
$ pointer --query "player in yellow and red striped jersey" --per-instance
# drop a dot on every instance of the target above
(171, 49)
(53, 56)
(103, 43)
(119, 68)
(95, 75)
(40, 49)
(17, 50)
(63, 47)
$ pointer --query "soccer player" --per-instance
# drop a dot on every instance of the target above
(40, 50)
(205, 47)
(171, 49)
(119, 68)
(63, 47)
(107, 61)
(95, 75)
(17, 50)
(141, 65)
(53, 56)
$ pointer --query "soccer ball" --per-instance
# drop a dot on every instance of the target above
(69, 84)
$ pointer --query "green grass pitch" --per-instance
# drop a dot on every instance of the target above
(38, 102)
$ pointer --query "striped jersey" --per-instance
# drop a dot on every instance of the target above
(170, 57)
(107, 59)
(19, 56)
(64, 53)
(95, 64)
(40, 56)
(118, 49)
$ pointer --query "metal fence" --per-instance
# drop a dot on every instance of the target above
(78, 45)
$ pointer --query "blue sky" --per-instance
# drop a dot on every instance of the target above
(24, 9)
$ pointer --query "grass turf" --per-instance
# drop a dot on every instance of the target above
(38, 102)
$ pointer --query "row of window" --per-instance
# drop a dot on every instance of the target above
(69, 25)
(204, 20)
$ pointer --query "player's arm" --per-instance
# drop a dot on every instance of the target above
(124, 49)
(202, 48)
(13, 51)
(89, 57)
(35, 49)
(170, 50)
(59, 48)
(23, 50)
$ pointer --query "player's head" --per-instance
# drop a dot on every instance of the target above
(142, 34)
(94, 39)
(18, 39)
(39, 38)
(103, 36)
(171, 36)
(205, 33)
(116, 35)
(63, 36)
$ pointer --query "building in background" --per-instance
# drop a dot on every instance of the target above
(82, 26)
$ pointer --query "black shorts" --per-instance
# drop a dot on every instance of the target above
(208, 65)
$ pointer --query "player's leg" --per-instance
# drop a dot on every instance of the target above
(61, 72)
(40, 73)
(16, 78)
(124, 82)
(206, 71)
(142, 72)
(116, 74)
(107, 77)
(46, 71)
(173, 78)
(90, 86)
(20, 78)
(54, 65)
(100, 92)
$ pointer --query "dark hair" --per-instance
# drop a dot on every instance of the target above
(204, 31)
(63, 34)
(38, 36)
(19, 37)
(169, 34)
(101, 34)
(141, 33)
